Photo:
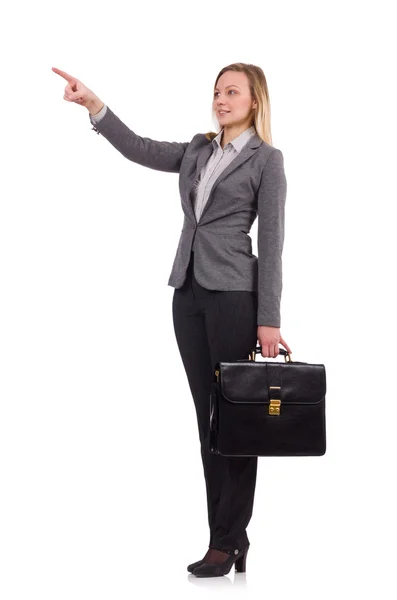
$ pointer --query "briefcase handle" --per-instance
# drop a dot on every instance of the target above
(258, 350)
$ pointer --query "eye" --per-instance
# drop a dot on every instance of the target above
(218, 92)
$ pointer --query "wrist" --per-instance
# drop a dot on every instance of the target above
(95, 106)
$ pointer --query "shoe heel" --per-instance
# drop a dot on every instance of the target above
(240, 563)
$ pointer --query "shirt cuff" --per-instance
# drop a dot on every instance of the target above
(99, 116)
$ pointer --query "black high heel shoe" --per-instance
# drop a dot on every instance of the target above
(192, 566)
(237, 558)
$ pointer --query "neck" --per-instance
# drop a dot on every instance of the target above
(230, 133)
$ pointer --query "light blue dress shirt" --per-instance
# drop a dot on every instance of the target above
(219, 159)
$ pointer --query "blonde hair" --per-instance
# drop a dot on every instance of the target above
(259, 92)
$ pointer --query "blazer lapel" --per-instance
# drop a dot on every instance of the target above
(248, 150)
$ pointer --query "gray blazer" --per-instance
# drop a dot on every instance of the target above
(252, 185)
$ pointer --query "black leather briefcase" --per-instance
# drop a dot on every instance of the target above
(263, 408)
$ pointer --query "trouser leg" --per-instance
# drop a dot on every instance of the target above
(231, 323)
(212, 326)
(191, 336)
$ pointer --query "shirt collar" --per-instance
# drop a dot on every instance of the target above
(238, 142)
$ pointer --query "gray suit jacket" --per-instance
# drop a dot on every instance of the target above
(252, 185)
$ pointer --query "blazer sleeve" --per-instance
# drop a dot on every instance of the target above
(161, 156)
(271, 222)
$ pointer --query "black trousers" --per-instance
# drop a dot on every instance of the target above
(213, 326)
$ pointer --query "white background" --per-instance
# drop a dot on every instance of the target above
(101, 484)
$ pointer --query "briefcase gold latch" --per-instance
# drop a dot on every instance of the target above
(274, 403)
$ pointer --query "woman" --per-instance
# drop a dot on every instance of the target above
(225, 298)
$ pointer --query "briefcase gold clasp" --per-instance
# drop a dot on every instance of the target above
(274, 403)
(274, 407)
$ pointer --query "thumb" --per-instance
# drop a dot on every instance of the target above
(76, 97)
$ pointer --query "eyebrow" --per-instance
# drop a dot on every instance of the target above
(232, 85)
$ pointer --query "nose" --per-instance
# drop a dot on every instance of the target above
(218, 100)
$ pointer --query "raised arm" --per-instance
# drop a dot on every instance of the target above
(161, 156)
(271, 220)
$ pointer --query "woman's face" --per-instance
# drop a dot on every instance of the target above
(232, 94)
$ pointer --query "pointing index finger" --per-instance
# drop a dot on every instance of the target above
(64, 74)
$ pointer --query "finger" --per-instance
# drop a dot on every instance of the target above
(70, 93)
(265, 351)
(64, 74)
(284, 343)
